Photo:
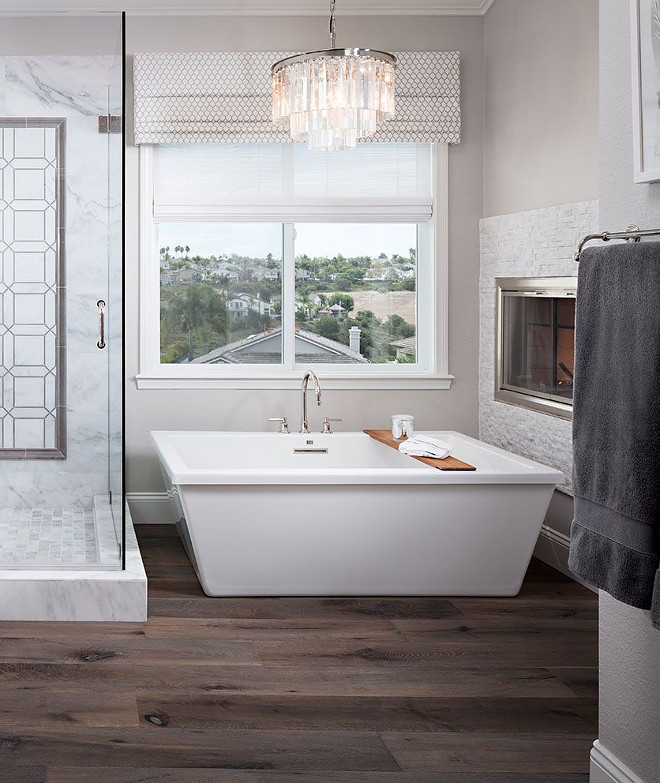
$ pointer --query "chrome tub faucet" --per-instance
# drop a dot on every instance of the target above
(304, 423)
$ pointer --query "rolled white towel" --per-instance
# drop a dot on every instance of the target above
(425, 446)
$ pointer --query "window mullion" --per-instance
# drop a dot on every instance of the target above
(288, 315)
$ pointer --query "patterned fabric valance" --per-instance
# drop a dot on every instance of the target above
(225, 97)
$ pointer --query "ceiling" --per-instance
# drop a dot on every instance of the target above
(253, 7)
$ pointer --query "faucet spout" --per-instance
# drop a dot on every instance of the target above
(304, 423)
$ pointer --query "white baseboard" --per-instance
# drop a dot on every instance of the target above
(607, 768)
(150, 508)
(552, 548)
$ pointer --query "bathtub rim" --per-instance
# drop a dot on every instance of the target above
(529, 472)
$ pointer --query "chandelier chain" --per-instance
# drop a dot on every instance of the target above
(333, 28)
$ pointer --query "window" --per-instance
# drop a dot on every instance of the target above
(220, 295)
(259, 261)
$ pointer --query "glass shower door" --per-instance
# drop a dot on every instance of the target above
(115, 302)
(60, 257)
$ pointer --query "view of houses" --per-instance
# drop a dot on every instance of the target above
(227, 309)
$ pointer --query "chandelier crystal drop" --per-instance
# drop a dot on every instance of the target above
(333, 97)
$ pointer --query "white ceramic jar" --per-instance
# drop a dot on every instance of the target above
(402, 426)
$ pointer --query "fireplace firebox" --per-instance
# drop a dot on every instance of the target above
(534, 360)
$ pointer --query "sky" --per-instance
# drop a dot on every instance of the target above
(313, 239)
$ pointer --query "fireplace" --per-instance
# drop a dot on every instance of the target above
(534, 360)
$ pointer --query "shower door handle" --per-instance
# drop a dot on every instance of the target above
(101, 306)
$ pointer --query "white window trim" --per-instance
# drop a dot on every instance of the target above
(154, 375)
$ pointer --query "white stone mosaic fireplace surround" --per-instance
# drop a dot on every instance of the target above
(538, 243)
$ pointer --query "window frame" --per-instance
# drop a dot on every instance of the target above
(432, 293)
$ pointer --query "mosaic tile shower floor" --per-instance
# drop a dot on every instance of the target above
(54, 538)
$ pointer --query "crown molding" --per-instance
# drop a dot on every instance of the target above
(247, 7)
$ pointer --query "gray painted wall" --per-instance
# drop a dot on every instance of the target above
(629, 648)
(541, 132)
(235, 410)
(541, 104)
(66, 35)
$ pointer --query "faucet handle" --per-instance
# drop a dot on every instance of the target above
(284, 424)
(327, 425)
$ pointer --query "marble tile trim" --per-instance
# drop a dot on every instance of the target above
(538, 243)
(56, 450)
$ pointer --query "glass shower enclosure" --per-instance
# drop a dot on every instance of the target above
(61, 292)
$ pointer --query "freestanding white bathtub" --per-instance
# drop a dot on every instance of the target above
(268, 514)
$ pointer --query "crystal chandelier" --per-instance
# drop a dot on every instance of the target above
(333, 97)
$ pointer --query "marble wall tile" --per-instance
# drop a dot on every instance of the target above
(78, 89)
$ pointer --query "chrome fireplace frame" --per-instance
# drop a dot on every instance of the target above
(546, 287)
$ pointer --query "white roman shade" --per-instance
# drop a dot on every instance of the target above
(226, 97)
(237, 181)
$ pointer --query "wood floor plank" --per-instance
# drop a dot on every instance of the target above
(68, 631)
(476, 617)
(251, 630)
(175, 588)
(448, 648)
(582, 680)
(441, 682)
(286, 608)
(159, 775)
(565, 588)
(167, 553)
(12, 774)
(556, 716)
(268, 750)
(53, 708)
(156, 530)
(129, 651)
(478, 752)
(536, 593)
(158, 571)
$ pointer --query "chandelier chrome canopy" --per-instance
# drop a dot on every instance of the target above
(333, 97)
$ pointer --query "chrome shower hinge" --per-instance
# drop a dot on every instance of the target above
(109, 123)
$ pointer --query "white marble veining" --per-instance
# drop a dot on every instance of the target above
(78, 88)
(538, 243)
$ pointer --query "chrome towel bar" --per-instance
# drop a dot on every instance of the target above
(631, 234)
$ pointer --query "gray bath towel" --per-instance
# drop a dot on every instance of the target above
(615, 534)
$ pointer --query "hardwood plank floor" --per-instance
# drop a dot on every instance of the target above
(161, 775)
(296, 690)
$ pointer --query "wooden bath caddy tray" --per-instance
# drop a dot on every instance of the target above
(449, 463)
